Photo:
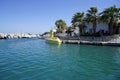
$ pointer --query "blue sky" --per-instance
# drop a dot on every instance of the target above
(38, 16)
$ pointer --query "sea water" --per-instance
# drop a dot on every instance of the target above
(34, 59)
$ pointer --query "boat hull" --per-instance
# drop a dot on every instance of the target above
(53, 40)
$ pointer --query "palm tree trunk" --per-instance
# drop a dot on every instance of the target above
(80, 30)
(111, 27)
(94, 27)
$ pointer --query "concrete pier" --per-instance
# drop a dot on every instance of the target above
(105, 41)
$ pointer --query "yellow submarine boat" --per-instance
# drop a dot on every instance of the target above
(52, 39)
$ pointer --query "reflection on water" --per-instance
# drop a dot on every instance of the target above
(33, 59)
(90, 61)
(54, 48)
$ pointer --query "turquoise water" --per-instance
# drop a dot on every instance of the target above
(33, 59)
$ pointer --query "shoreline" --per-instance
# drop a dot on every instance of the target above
(19, 35)
(113, 40)
(102, 41)
(90, 43)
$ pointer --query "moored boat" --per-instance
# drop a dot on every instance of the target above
(52, 39)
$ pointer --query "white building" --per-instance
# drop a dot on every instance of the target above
(89, 28)
(100, 26)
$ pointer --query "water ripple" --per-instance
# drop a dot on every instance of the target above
(33, 59)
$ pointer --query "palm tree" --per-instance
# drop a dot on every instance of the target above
(110, 16)
(77, 20)
(69, 30)
(117, 28)
(91, 17)
(61, 25)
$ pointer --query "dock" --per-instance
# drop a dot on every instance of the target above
(91, 43)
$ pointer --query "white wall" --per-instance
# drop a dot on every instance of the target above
(88, 27)
(76, 31)
(100, 26)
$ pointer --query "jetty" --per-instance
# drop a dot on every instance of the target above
(19, 35)
(105, 41)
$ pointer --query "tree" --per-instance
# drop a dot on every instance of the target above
(110, 16)
(69, 32)
(77, 20)
(91, 17)
(61, 25)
